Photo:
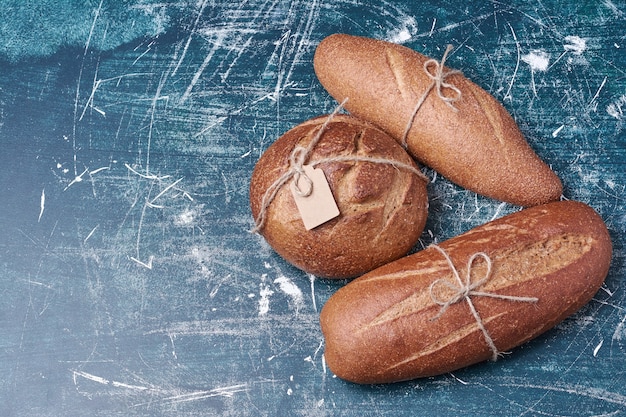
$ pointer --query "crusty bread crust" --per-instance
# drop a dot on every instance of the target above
(382, 327)
(479, 147)
(383, 209)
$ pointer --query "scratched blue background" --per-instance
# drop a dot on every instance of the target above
(129, 284)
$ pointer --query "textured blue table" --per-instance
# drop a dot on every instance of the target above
(129, 282)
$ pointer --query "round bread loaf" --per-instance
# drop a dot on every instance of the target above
(379, 190)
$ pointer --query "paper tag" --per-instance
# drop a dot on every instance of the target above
(318, 207)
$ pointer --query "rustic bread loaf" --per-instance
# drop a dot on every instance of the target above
(393, 323)
(472, 141)
(383, 207)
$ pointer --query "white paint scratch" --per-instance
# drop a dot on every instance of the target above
(189, 38)
(148, 176)
(496, 214)
(95, 171)
(169, 396)
(104, 381)
(90, 234)
(598, 92)
(578, 391)
(147, 265)
(557, 131)
(432, 28)
(306, 32)
(597, 348)
(227, 392)
(165, 190)
(459, 379)
(96, 85)
(172, 337)
(612, 7)
(319, 348)
(312, 279)
(472, 21)
(42, 204)
(519, 53)
(77, 179)
(216, 45)
(620, 331)
(605, 289)
(243, 49)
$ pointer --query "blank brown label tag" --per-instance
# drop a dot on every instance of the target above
(318, 207)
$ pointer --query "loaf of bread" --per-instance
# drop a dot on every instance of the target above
(378, 188)
(412, 318)
(459, 129)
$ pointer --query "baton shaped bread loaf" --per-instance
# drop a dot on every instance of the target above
(479, 146)
(383, 208)
(386, 326)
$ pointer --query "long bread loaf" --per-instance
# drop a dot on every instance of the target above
(478, 146)
(387, 325)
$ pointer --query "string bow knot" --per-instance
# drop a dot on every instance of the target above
(296, 160)
(435, 71)
(438, 78)
(464, 290)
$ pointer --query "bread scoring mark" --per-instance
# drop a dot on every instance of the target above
(384, 200)
(395, 201)
(360, 148)
(510, 267)
(362, 199)
(430, 268)
(359, 136)
(488, 110)
(398, 185)
(443, 342)
(415, 302)
(497, 227)
(394, 61)
(541, 258)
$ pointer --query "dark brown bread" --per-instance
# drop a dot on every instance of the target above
(383, 208)
(479, 147)
(383, 326)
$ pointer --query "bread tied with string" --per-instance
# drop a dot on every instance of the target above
(469, 298)
(378, 188)
(446, 121)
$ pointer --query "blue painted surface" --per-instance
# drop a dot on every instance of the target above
(129, 282)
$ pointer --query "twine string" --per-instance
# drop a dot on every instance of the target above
(435, 71)
(300, 156)
(465, 290)
(297, 160)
